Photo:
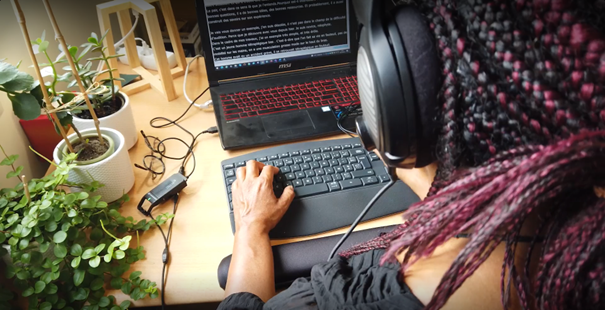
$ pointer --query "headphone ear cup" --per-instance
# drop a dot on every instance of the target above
(425, 67)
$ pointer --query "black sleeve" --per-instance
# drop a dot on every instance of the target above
(241, 301)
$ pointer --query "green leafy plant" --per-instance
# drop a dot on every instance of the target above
(24, 94)
(67, 248)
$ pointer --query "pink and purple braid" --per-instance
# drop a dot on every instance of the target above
(523, 87)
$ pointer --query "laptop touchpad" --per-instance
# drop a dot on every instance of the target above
(287, 123)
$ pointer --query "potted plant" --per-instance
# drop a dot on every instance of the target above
(67, 249)
(111, 106)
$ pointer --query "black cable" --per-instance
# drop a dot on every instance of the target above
(360, 217)
(165, 253)
(343, 115)
(190, 146)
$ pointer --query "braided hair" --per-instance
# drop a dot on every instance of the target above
(523, 114)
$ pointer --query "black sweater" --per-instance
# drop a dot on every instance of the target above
(357, 283)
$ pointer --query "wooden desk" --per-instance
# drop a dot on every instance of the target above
(201, 235)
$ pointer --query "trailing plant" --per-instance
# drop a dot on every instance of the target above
(67, 248)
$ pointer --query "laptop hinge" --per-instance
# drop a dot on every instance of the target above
(279, 74)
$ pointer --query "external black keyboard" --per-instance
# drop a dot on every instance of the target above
(333, 181)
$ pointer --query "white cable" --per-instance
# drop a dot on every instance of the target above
(136, 21)
(208, 103)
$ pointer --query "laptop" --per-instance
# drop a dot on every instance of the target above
(278, 69)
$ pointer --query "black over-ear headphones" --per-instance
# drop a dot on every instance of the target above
(399, 77)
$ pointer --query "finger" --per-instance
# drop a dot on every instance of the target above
(241, 173)
(287, 196)
(253, 168)
(268, 173)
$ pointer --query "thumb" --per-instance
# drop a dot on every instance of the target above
(287, 196)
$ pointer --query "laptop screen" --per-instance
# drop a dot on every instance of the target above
(250, 37)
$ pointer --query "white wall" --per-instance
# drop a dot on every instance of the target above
(77, 19)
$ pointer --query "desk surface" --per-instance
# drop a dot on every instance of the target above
(201, 235)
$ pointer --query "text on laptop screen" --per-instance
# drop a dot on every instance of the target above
(251, 33)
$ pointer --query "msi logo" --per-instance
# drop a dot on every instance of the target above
(285, 66)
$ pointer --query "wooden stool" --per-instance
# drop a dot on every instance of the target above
(164, 82)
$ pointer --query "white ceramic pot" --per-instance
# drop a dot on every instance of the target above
(115, 171)
(122, 121)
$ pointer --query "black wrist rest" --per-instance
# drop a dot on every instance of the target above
(295, 260)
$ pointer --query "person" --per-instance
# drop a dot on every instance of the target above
(515, 213)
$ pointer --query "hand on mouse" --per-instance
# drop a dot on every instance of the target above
(255, 205)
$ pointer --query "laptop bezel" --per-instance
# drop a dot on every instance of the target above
(214, 76)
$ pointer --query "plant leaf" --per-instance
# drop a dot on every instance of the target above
(96, 284)
(9, 161)
(15, 173)
(59, 236)
(50, 226)
(28, 292)
(46, 306)
(7, 72)
(126, 288)
(119, 254)
(79, 276)
(21, 82)
(25, 106)
(135, 275)
(76, 262)
(60, 251)
(43, 46)
(76, 250)
(39, 287)
(89, 253)
(116, 283)
(99, 248)
(94, 263)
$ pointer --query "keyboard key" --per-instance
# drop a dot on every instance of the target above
(289, 161)
(295, 168)
(307, 158)
(370, 180)
(316, 157)
(230, 181)
(337, 148)
(329, 170)
(262, 159)
(290, 176)
(324, 163)
(310, 173)
(295, 153)
(268, 163)
(346, 184)
(306, 152)
(348, 168)
(230, 166)
(347, 146)
(298, 160)
(339, 169)
(284, 155)
(307, 181)
(273, 157)
(358, 152)
(326, 149)
(240, 164)
(374, 157)
(275, 110)
(347, 176)
(320, 172)
(305, 166)
(327, 178)
(334, 162)
(357, 166)
(310, 190)
(285, 169)
(300, 175)
(345, 153)
(316, 150)
(337, 177)
(326, 156)
(230, 173)
(314, 164)
(352, 160)
(363, 173)
(318, 180)
(384, 178)
(297, 183)
(334, 186)
(365, 163)
(357, 145)
(278, 163)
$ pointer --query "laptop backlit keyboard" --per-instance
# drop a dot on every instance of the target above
(340, 91)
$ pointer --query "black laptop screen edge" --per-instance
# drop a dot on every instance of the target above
(214, 76)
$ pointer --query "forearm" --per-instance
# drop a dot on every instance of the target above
(251, 268)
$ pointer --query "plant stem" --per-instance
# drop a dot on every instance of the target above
(42, 156)
(105, 230)
(113, 93)
(82, 140)
(26, 188)
(52, 65)
(12, 165)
